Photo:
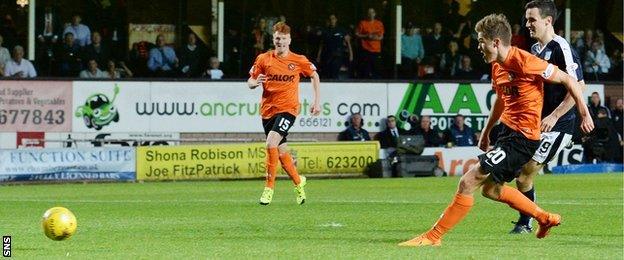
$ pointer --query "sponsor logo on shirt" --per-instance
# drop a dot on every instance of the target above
(283, 78)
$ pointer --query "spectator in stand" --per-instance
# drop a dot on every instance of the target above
(213, 72)
(192, 57)
(617, 114)
(139, 54)
(335, 52)
(452, 19)
(436, 42)
(450, 60)
(68, 57)
(584, 44)
(597, 63)
(97, 51)
(617, 65)
(466, 71)
(5, 56)
(432, 136)
(92, 71)
(460, 134)
(81, 32)
(19, 67)
(233, 53)
(354, 131)
(48, 26)
(595, 106)
(8, 31)
(388, 138)
(603, 143)
(261, 38)
(388, 142)
(162, 61)
(371, 32)
(412, 52)
(518, 39)
(112, 72)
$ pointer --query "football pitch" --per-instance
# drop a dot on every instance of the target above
(342, 218)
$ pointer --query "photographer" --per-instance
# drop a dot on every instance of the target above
(603, 143)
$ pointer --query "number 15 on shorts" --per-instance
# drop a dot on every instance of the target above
(284, 124)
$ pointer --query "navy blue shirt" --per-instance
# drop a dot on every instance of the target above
(558, 52)
(463, 137)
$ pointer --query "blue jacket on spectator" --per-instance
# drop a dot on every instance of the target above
(462, 138)
(161, 59)
(412, 46)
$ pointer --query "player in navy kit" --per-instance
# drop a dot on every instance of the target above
(558, 117)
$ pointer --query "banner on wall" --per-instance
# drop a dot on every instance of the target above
(35, 106)
(83, 140)
(214, 107)
(103, 139)
(457, 160)
(239, 161)
(115, 164)
(232, 107)
(443, 101)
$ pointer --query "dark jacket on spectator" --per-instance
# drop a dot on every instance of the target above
(101, 55)
(68, 59)
(386, 139)
(351, 134)
(432, 137)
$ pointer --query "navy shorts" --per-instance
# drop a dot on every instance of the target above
(511, 151)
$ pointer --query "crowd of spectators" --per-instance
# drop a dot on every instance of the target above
(74, 50)
(341, 50)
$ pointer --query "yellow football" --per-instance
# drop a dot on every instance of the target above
(59, 223)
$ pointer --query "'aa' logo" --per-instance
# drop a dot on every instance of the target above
(98, 111)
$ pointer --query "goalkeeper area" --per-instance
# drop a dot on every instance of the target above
(342, 218)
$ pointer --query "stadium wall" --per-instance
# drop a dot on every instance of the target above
(85, 114)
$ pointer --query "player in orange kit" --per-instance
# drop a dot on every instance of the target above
(278, 71)
(517, 78)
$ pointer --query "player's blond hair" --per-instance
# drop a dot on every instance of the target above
(495, 26)
(281, 27)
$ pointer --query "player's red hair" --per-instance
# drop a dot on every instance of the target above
(281, 27)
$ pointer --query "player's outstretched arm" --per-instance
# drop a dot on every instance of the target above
(316, 85)
(254, 83)
(574, 88)
(568, 102)
(495, 114)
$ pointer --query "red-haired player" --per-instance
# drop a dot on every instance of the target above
(278, 71)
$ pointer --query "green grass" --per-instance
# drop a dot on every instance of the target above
(346, 218)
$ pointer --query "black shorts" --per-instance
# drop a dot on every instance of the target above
(279, 123)
(510, 153)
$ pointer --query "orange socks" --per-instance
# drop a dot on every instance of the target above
(519, 202)
(453, 214)
(271, 164)
(289, 167)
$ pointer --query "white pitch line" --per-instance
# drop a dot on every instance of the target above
(319, 201)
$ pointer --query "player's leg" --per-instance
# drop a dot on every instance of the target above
(288, 164)
(516, 200)
(455, 212)
(551, 144)
(290, 168)
(276, 130)
(503, 163)
(272, 143)
(524, 183)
